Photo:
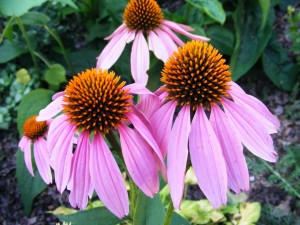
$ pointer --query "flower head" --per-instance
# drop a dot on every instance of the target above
(94, 106)
(216, 118)
(34, 134)
(144, 17)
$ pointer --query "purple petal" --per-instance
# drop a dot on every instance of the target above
(118, 31)
(25, 146)
(157, 46)
(107, 178)
(41, 157)
(60, 144)
(251, 132)
(161, 122)
(177, 155)
(139, 89)
(207, 159)
(232, 148)
(140, 161)
(58, 94)
(140, 59)
(51, 110)
(257, 109)
(81, 178)
(172, 35)
(148, 104)
(113, 50)
(174, 26)
(185, 27)
(167, 41)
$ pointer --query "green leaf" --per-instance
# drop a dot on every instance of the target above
(178, 220)
(265, 7)
(84, 58)
(149, 211)
(250, 42)
(212, 8)
(55, 75)
(94, 216)
(250, 213)
(67, 2)
(35, 19)
(31, 104)
(221, 38)
(278, 67)
(18, 8)
(9, 51)
(29, 186)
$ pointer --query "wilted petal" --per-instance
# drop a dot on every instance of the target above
(174, 26)
(177, 155)
(51, 110)
(232, 148)
(140, 161)
(81, 178)
(60, 143)
(140, 59)
(207, 159)
(107, 178)
(157, 46)
(251, 132)
(42, 160)
(172, 35)
(113, 50)
(25, 146)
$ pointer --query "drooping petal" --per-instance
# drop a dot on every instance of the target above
(140, 59)
(119, 30)
(25, 146)
(113, 50)
(81, 178)
(251, 132)
(58, 94)
(51, 110)
(42, 160)
(257, 109)
(140, 161)
(167, 41)
(174, 26)
(172, 35)
(185, 27)
(107, 178)
(177, 155)
(136, 88)
(161, 122)
(157, 46)
(207, 159)
(145, 132)
(232, 148)
(148, 104)
(60, 144)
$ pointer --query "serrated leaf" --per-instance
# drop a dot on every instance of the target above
(149, 211)
(9, 51)
(250, 41)
(35, 19)
(213, 8)
(94, 216)
(31, 104)
(278, 67)
(29, 186)
(18, 8)
(55, 75)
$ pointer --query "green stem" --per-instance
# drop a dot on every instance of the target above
(62, 47)
(133, 195)
(284, 181)
(27, 40)
(6, 27)
(169, 214)
(42, 58)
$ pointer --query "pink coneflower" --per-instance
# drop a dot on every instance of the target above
(144, 17)
(215, 119)
(94, 106)
(34, 137)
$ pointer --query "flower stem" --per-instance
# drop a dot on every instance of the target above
(169, 214)
(133, 195)
(27, 40)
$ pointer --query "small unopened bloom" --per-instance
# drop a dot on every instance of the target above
(140, 18)
(216, 118)
(94, 105)
(34, 138)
